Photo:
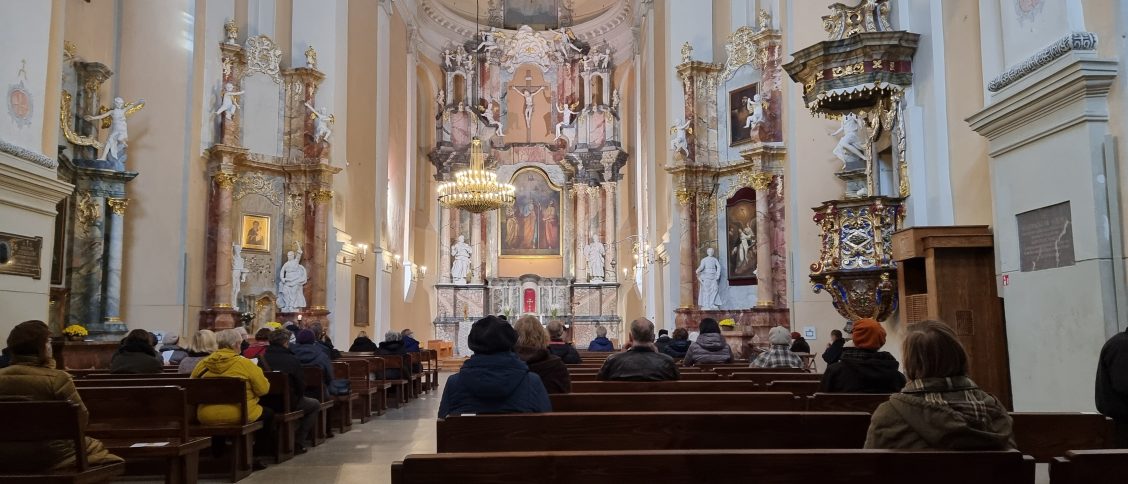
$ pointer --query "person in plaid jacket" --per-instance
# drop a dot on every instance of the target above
(780, 355)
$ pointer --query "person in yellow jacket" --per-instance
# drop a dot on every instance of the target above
(228, 363)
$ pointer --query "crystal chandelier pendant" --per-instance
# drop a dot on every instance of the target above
(476, 189)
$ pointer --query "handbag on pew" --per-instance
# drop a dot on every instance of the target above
(339, 387)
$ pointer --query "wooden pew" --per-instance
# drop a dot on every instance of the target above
(123, 416)
(676, 402)
(343, 404)
(315, 388)
(664, 386)
(846, 402)
(287, 419)
(402, 386)
(417, 387)
(764, 377)
(727, 371)
(688, 376)
(798, 387)
(37, 421)
(1089, 467)
(1048, 435)
(207, 391)
(758, 465)
(376, 380)
(652, 431)
(357, 373)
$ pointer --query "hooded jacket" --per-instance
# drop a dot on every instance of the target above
(601, 343)
(227, 363)
(677, 348)
(834, 352)
(565, 351)
(494, 383)
(941, 414)
(551, 370)
(313, 354)
(710, 348)
(1112, 378)
(863, 371)
(136, 357)
(640, 363)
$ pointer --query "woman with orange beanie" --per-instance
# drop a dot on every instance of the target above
(862, 368)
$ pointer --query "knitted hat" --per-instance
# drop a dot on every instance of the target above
(491, 335)
(779, 335)
(305, 336)
(29, 338)
(868, 334)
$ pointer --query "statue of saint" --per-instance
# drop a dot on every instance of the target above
(594, 253)
(679, 142)
(568, 115)
(489, 40)
(238, 273)
(529, 103)
(291, 280)
(460, 268)
(230, 102)
(708, 273)
(850, 146)
(322, 119)
(118, 139)
(488, 113)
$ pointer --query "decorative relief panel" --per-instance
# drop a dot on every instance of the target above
(264, 56)
(256, 183)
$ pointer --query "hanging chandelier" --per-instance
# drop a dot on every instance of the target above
(476, 189)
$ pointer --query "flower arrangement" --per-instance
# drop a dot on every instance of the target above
(246, 318)
(273, 325)
(75, 332)
(727, 324)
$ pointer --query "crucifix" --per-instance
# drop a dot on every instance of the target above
(528, 94)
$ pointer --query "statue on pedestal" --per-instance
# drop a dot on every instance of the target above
(230, 102)
(850, 146)
(291, 279)
(566, 111)
(460, 268)
(118, 139)
(238, 273)
(323, 119)
(594, 253)
(679, 142)
(708, 273)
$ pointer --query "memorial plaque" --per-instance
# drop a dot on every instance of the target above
(20, 255)
(1045, 238)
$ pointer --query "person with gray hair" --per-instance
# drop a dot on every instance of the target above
(392, 346)
(601, 343)
(779, 355)
(642, 362)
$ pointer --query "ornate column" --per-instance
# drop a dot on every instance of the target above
(591, 223)
(444, 245)
(581, 231)
(761, 182)
(611, 231)
(319, 252)
(224, 192)
(112, 288)
(687, 278)
(476, 248)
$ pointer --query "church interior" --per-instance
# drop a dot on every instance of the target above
(420, 178)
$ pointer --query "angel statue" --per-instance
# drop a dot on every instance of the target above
(679, 141)
(850, 146)
(323, 120)
(489, 40)
(755, 107)
(566, 41)
(230, 102)
(118, 139)
(488, 113)
(567, 116)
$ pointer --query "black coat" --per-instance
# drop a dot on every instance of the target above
(800, 345)
(551, 370)
(1112, 378)
(497, 383)
(662, 342)
(565, 351)
(392, 348)
(863, 371)
(136, 357)
(640, 363)
(834, 351)
(282, 360)
(677, 348)
(363, 344)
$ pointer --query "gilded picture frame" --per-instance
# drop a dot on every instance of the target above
(533, 226)
(254, 232)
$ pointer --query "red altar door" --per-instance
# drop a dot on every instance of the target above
(530, 301)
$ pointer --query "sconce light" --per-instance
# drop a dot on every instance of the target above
(362, 252)
(418, 272)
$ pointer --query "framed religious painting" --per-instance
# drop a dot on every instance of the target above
(531, 227)
(740, 234)
(360, 300)
(740, 102)
(254, 234)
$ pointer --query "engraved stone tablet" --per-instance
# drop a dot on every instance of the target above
(1045, 238)
(19, 255)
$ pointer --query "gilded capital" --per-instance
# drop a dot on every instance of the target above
(761, 180)
(683, 195)
(321, 196)
(224, 179)
(117, 205)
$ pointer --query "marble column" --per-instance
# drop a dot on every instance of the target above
(319, 252)
(581, 232)
(444, 245)
(476, 246)
(611, 231)
(686, 295)
(112, 288)
(224, 194)
(764, 294)
(595, 216)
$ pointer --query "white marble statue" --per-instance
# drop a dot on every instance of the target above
(529, 104)
(448, 58)
(460, 268)
(568, 115)
(440, 99)
(238, 273)
(230, 102)
(118, 138)
(603, 58)
(565, 42)
(755, 106)
(615, 100)
(489, 40)
(291, 280)
(594, 253)
(488, 113)
(587, 61)
(679, 142)
(850, 146)
(708, 273)
(322, 120)
(466, 60)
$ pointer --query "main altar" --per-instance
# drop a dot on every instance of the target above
(543, 111)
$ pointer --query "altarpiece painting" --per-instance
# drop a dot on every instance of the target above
(531, 227)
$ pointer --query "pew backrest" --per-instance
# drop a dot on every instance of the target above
(846, 402)
(1089, 467)
(664, 386)
(26, 421)
(132, 412)
(1048, 435)
(676, 402)
(200, 391)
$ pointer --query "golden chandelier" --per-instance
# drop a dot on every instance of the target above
(476, 189)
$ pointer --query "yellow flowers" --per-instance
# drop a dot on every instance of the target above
(728, 322)
(274, 325)
(75, 330)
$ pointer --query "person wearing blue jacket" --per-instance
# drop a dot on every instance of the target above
(312, 353)
(494, 379)
(601, 343)
(410, 344)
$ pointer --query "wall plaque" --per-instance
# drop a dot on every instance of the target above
(20, 255)
(1045, 238)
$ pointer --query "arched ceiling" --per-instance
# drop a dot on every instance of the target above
(582, 10)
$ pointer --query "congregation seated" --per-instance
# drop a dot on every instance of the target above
(392, 346)
(32, 376)
(312, 353)
(799, 343)
(278, 357)
(362, 344)
(170, 350)
(202, 345)
(662, 341)
(779, 355)
(409, 342)
(322, 339)
(601, 343)
(557, 346)
(834, 348)
(258, 347)
(679, 344)
(862, 368)
(642, 362)
(226, 362)
(710, 347)
(532, 348)
(493, 379)
(940, 408)
(136, 355)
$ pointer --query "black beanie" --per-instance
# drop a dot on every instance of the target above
(491, 335)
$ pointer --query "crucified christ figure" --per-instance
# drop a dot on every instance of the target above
(528, 95)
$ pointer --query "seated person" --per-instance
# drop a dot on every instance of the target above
(710, 347)
(312, 353)
(862, 368)
(322, 339)
(601, 343)
(392, 346)
(532, 348)
(226, 362)
(662, 341)
(409, 341)
(560, 348)
(642, 362)
(202, 345)
(32, 376)
(940, 408)
(258, 347)
(834, 348)
(362, 344)
(136, 355)
(278, 357)
(779, 355)
(171, 351)
(799, 343)
(494, 379)
(679, 344)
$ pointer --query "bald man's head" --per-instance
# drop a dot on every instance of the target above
(642, 331)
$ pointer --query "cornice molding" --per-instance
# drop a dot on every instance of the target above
(28, 155)
(27, 190)
(1079, 41)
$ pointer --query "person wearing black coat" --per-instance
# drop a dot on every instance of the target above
(532, 348)
(799, 343)
(862, 368)
(834, 348)
(642, 362)
(311, 353)
(663, 340)
(557, 346)
(1112, 385)
(392, 346)
(362, 344)
(679, 344)
(136, 355)
(494, 379)
(278, 357)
